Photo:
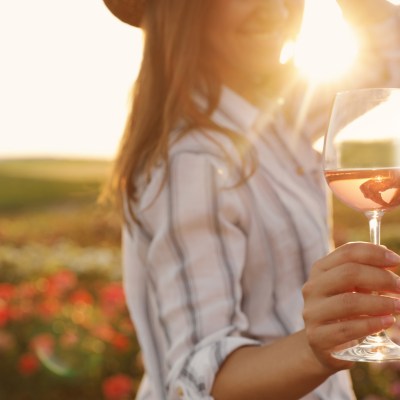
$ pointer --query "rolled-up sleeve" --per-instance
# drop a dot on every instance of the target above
(196, 258)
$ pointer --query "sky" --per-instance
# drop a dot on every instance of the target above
(66, 70)
(67, 67)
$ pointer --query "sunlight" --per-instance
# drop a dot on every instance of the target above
(64, 92)
(326, 47)
(382, 118)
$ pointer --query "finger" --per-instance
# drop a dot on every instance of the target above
(350, 305)
(338, 333)
(359, 252)
(352, 277)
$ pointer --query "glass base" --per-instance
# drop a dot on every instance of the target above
(374, 348)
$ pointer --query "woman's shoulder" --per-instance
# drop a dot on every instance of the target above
(190, 151)
(200, 141)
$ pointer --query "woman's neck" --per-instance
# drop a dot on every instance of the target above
(258, 90)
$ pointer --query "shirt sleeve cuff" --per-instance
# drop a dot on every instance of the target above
(194, 377)
(386, 36)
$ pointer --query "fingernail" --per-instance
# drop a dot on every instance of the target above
(387, 321)
(392, 257)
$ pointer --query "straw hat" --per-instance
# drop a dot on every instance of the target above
(129, 11)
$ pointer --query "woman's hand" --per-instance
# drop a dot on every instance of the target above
(367, 12)
(340, 301)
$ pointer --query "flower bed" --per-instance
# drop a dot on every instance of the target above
(64, 332)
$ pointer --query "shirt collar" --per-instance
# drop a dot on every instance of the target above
(244, 115)
(237, 110)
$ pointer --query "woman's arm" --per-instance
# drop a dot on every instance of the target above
(286, 369)
(367, 12)
(338, 292)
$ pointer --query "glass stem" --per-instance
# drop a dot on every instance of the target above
(374, 219)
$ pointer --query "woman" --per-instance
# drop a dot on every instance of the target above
(226, 217)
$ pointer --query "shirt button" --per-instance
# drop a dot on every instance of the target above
(180, 392)
(300, 171)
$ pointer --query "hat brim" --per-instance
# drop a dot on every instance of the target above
(128, 11)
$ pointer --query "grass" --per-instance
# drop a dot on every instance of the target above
(32, 184)
(46, 201)
(57, 169)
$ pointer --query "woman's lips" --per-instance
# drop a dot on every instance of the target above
(265, 35)
(271, 29)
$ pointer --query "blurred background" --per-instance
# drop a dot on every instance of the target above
(65, 73)
(66, 70)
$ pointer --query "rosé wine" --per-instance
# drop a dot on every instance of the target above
(366, 189)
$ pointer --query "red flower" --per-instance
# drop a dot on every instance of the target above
(28, 364)
(103, 332)
(22, 311)
(81, 296)
(27, 290)
(49, 308)
(6, 291)
(61, 282)
(117, 387)
(5, 315)
(112, 298)
(120, 342)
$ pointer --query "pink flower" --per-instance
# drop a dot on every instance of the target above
(395, 389)
(43, 344)
(69, 339)
(117, 387)
(28, 364)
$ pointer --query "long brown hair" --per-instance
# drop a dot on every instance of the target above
(173, 67)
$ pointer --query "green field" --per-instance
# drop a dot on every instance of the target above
(47, 201)
(35, 183)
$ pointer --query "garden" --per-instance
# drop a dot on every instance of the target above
(65, 331)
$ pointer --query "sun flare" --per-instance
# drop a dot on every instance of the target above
(326, 46)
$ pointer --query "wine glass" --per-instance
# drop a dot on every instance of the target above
(362, 168)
